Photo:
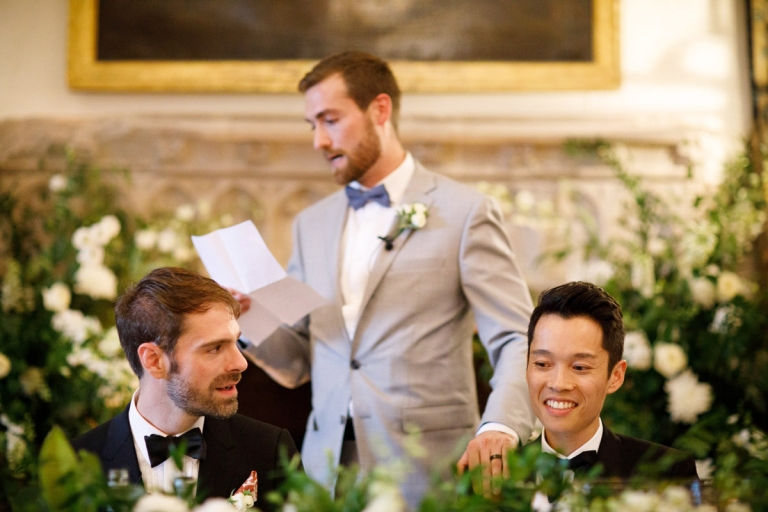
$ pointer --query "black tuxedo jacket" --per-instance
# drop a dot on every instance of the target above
(621, 456)
(235, 447)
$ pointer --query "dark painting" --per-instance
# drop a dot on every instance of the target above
(413, 30)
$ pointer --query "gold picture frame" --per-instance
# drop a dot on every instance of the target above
(87, 73)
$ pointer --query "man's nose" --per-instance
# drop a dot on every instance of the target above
(560, 379)
(321, 139)
(236, 361)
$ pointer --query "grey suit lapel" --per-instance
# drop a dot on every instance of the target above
(334, 229)
(422, 183)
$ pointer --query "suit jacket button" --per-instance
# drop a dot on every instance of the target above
(355, 364)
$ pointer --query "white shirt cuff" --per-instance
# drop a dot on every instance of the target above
(492, 426)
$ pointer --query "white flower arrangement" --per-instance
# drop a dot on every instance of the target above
(57, 297)
(688, 398)
(241, 500)
(157, 502)
(637, 350)
(729, 285)
(703, 291)
(409, 217)
(669, 359)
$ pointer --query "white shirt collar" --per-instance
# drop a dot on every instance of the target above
(140, 427)
(397, 181)
(592, 444)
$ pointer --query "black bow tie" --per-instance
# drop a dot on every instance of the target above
(358, 198)
(583, 461)
(158, 446)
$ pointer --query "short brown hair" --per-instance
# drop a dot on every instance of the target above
(154, 309)
(581, 299)
(365, 75)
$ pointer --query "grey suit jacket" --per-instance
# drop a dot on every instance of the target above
(409, 366)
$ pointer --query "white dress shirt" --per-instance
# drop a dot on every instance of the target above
(592, 444)
(361, 244)
(161, 477)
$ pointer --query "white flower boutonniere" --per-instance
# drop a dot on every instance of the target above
(409, 216)
(246, 494)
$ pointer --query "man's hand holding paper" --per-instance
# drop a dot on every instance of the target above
(238, 259)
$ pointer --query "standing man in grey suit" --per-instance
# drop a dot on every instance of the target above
(391, 353)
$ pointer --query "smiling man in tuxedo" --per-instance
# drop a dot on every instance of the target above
(391, 353)
(576, 340)
(179, 332)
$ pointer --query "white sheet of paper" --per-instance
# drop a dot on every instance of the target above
(237, 257)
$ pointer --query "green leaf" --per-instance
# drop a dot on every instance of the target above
(58, 466)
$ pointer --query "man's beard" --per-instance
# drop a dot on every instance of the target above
(360, 158)
(197, 402)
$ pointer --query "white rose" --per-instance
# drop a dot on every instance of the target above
(97, 281)
(5, 366)
(419, 208)
(108, 228)
(418, 220)
(669, 359)
(185, 212)
(729, 285)
(290, 507)
(167, 241)
(241, 501)
(637, 350)
(146, 239)
(703, 291)
(57, 297)
(83, 237)
(57, 183)
(639, 501)
(110, 344)
(386, 502)
(160, 503)
(214, 505)
(687, 397)
(90, 255)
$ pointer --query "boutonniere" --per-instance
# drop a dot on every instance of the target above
(246, 494)
(409, 216)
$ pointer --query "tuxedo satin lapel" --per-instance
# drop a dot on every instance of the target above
(214, 476)
(611, 455)
(119, 451)
(417, 192)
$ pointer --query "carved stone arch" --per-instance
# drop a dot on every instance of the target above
(237, 205)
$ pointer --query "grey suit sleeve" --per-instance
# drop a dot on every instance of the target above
(285, 355)
(502, 306)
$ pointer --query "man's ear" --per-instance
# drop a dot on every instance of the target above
(153, 359)
(616, 378)
(380, 109)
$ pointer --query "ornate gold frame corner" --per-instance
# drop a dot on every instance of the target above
(87, 73)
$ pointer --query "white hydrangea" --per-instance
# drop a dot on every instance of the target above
(57, 297)
(146, 239)
(97, 281)
(106, 229)
(669, 359)
(83, 237)
(75, 326)
(688, 398)
(90, 255)
(703, 291)
(637, 350)
(155, 502)
(110, 343)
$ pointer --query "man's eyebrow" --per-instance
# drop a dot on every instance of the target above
(213, 343)
(541, 352)
(585, 355)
